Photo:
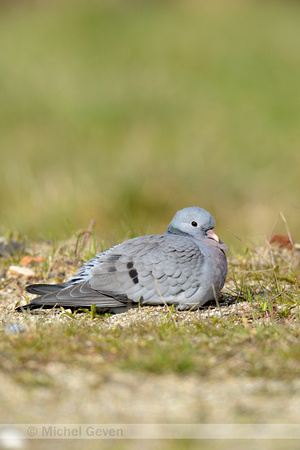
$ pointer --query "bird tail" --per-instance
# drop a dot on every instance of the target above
(42, 289)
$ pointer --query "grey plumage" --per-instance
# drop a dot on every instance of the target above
(186, 266)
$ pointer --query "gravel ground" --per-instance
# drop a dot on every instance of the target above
(126, 397)
(132, 398)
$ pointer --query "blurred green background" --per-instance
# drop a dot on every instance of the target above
(126, 111)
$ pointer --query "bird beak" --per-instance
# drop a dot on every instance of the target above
(212, 235)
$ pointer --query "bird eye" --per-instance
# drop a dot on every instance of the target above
(194, 224)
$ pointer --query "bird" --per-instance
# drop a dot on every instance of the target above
(185, 267)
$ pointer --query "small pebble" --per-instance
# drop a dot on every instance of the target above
(12, 438)
(24, 271)
(15, 328)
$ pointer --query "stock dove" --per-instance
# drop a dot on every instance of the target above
(186, 266)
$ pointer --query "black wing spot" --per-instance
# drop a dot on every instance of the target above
(130, 265)
(134, 275)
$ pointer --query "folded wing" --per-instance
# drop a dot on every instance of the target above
(148, 270)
